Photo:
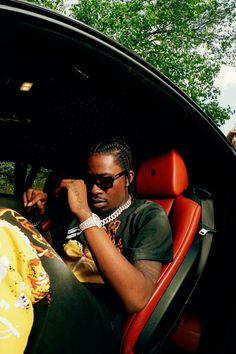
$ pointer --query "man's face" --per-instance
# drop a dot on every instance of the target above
(103, 172)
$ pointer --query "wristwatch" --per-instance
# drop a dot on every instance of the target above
(93, 220)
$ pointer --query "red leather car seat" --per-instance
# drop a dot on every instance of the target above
(163, 179)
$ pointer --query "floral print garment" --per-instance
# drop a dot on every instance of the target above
(23, 281)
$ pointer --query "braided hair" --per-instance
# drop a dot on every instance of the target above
(121, 153)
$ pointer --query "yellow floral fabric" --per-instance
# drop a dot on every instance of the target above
(80, 261)
(23, 282)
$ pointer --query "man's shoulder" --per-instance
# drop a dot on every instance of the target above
(140, 205)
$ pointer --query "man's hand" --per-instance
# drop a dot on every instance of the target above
(77, 197)
(35, 198)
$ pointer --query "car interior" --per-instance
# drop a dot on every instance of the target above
(82, 87)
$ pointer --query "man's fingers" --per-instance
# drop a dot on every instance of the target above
(33, 196)
(27, 197)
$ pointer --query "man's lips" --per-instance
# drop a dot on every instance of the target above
(98, 201)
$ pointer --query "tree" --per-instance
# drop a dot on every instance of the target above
(7, 177)
(55, 5)
(187, 40)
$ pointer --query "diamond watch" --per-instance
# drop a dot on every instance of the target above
(93, 220)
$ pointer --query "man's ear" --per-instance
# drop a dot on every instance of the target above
(130, 177)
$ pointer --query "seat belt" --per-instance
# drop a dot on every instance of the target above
(206, 226)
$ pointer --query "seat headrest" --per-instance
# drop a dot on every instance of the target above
(162, 176)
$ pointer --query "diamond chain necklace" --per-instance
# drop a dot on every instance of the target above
(117, 212)
(75, 231)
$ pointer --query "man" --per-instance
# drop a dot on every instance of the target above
(114, 243)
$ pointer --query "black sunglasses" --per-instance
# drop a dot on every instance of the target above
(103, 182)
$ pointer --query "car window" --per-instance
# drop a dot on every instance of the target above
(41, 177)
(9, 179)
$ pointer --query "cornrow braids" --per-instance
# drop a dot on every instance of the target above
(121, 152)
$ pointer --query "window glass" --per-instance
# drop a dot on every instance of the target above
(7, 177)
(41, 177)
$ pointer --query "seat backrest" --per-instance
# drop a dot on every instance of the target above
(163, 179)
